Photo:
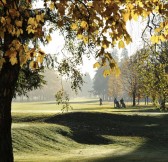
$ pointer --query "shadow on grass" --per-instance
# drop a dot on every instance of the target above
(89, 128)
(153, 111)
(113, 124)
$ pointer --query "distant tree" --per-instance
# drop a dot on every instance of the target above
(115, 87)
(130, 78)
(124, 54)
(86, 88)
(152, 73)
(28, 81)
(67, 88)
(114, 54)
(100, 84)
(47, 92)
(114, 81)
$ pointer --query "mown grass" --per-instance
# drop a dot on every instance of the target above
(89, 132)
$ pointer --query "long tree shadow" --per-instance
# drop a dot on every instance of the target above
(89, 127)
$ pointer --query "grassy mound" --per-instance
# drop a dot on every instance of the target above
(119, 135)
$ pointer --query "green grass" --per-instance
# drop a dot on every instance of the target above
(89, 132)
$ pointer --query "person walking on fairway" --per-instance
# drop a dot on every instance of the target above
(116, 103)
(100, 101)
(122, 103)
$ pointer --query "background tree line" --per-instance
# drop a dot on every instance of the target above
(143, 77)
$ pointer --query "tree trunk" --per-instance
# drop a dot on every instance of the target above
(147, 100)
(8, 79)
(6, 151)
(138, 100)
(163, 104)
(133, 99)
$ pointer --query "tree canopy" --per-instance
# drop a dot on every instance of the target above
(152, 74)
(89, 23)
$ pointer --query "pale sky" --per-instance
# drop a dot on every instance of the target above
(57, 43)
(134, 29)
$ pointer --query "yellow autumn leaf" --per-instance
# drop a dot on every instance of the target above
(165, 32)
(157, 30)
(31, 21)
(141, 4)
(21, 31)
(85, 39)
(16, 44)
(130, 6)
(128, 40)
(13, 32)
(31, 53)
(135, 16)
(80, 36)
(4, 1)
(96, 65)
(89, 4)
(13, 60)
(156, 9)
(40, 59)
(42, 17)
(31, 65)
(30, 30)
(12, 11)
(154, 39)
(18, 33)
(18, 23)
(108, 1)
(52, 6)
(84, 24)
(74, 26)
(106, 72)
(121, 44)
(114, 42)
(162, 38)
(3, 21)
(8, 20)
(113, 23)
(104, 46)
(23, 59)
(2, 61)
(48, 38)
(126, 16)
(145, 13)
(38, 18)
(96, 32)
